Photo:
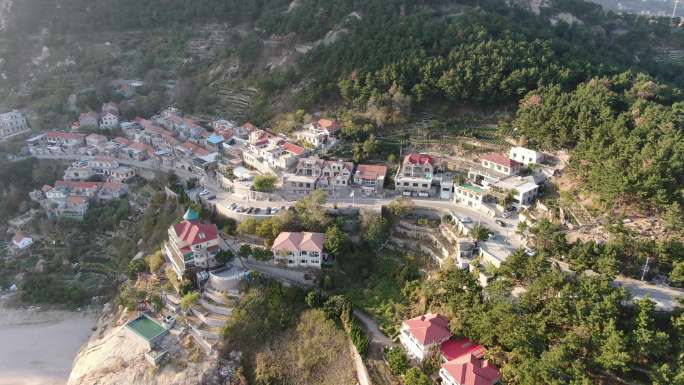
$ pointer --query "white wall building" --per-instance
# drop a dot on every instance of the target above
(12, 122)
(525, 155)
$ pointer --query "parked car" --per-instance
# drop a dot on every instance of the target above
(256, 210)
(233, 206)
(268, 211)
(204, 192)
(500, 223)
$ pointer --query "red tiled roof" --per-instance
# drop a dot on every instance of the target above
(294, 242)
(18, 237)
(293, 148)
(371, 171)
(142, 147)
(64, 135)
(418, 159)
(78, 185)
(194, 233)
(501, 159)
(429, 328)
(77, 199)
(328, 124)
(121, 140)
(195, 148)
(457, 348)
(471, 370)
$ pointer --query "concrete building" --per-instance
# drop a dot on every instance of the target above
(12, 123)
(415, 175)
(526, 156)
(370, 177)
(191, 244)
(469, 195)
(418, 335)
(299, 249)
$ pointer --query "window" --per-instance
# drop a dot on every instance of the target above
(415, 184)
(406, 184)
(425, 185)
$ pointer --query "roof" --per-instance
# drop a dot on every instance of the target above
(418, 159)
(501, 159)
(77, 185)
(64, 135)
(215, 139)
(471, 370)
(195, 148)
(19, 236)
(77, 199)
(457, 348)
(371, 171)
(348, 165)
(429, 328)
(329, 125)
(472, 188)
(294, 242)
(293, 148)
(193, 232)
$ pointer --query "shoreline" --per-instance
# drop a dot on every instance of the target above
(39, 344)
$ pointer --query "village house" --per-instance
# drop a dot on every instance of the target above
(370, 177)
(20, 241)
(318, 134)
(69, 142)
(192, 244)
(71, 199)
(335, 175)
(464, 364)
(107, 168)
(525, 156)
(469, 195)
(109, 121)
(524, 190)
(415, 175)
(299, 249)
(12, 123)
(305, 175)
(501, 163)
(418, 335)
(269, 155)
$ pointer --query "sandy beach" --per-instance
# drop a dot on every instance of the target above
(37, 347)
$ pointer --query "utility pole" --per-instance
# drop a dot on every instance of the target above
(644, 270)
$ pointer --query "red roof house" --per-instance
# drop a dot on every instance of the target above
(420, 334)
(469, 370)
(419, 159)
(501, 164)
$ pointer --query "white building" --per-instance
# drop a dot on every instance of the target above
(469, 195)
(418, 335)
(12, 122)
(415, 176)
(524, 190)
(109, 121)
(21, 241)
(299, 249)
(525, 155)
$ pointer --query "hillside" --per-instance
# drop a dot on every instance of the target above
(249, 61)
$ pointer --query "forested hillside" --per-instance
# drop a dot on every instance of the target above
(380, 61)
